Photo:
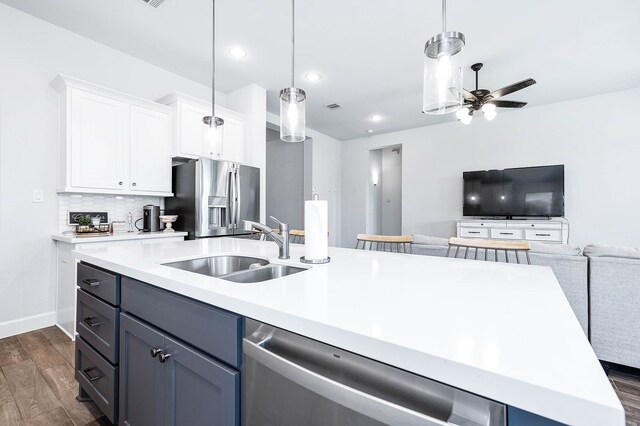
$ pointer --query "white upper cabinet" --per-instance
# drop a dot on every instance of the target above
(111, 142)
(192, 138)
(97, 149)
(150, 150)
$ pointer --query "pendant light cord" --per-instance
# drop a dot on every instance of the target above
(213, 61)
(293, 41)
(444, 16)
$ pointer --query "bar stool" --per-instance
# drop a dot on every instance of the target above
(296, 236)
(396, 243)
(486, 245)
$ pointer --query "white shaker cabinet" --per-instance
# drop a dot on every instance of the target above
(149, 151)
(111, 142)
(192, 138)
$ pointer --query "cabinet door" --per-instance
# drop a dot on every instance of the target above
(98, 141)
(233, 138)
(141, 375)
(199, 390)
(150, 151)
(192, 132)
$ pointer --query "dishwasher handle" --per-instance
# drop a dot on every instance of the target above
(356, 400)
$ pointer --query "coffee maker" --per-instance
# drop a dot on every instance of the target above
(150, 218)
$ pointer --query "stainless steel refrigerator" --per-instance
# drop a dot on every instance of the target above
(212, 198)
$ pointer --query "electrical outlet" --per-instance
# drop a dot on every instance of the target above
(38, 196)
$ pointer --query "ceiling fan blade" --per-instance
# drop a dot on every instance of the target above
(507, 104)
(468, 95)
(511, 88)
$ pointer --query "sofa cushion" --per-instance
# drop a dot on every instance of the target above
(548, 248)
(603, 250)
(430, 241)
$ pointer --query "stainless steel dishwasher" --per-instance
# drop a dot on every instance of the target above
(292, 380)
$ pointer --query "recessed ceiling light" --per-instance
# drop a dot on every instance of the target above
(312, 76)
(376, 117)
(370, 131)
(237, 52)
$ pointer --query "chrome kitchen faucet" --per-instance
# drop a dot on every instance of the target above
(282, 239)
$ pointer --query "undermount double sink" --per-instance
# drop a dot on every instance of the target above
(239, 269)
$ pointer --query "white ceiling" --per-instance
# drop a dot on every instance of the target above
(369, 52)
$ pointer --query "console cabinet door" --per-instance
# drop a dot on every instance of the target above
(199, 390)
(141, 375)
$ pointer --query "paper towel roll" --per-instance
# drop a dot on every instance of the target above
(316, 240)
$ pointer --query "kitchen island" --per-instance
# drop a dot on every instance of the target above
(505, 332)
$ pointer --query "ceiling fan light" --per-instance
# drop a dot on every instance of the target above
(488, 107)
(462, 112)
(466, 119)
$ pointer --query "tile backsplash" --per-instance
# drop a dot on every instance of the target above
(117, 207)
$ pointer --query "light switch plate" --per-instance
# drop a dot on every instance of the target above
(38, 196)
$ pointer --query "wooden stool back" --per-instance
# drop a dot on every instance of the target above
(296, 236)
(395, 243)
(487, 245)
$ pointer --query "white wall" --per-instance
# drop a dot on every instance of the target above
(374, 202)
(285, 181)
(596, 138)
(326, 175)
(33, 53)
(391, 191)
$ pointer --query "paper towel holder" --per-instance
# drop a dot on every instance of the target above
(315, 261)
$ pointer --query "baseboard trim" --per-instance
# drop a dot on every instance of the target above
(23, 325)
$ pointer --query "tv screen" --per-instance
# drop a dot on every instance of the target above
(527, 191)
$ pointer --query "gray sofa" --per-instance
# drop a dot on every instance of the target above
(567, 263)
(614, 280)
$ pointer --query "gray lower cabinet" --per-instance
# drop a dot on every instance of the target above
(165, 382)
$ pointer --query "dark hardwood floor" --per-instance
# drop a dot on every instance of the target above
(37, 384)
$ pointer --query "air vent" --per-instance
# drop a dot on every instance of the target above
(154, 3)
(332, 106)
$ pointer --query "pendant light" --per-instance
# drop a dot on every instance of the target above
(215, 124)
(292, 100)
(442, 89)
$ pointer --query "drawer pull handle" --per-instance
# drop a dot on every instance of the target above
(473, 232)
(89, 376)
(155, 352)
(506, 233)
(91, 282)
(543, 235)
(163, 357)
(91, 321)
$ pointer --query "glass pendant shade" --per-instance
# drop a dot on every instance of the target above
(292, 115)
(442, 85)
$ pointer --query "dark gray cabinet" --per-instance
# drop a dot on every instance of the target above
(166, 382)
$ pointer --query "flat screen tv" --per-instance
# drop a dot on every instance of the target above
(521, 192)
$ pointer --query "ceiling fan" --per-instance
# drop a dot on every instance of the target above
(485, 101)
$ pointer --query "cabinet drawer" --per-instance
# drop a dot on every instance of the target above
(212, 330)
(98, 378)
(102, 284)
(507, 234)
(554, 235)
(474, 232)
(98, 323)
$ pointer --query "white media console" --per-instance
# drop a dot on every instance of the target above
(554, 230)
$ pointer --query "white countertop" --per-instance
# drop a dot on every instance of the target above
(119, 236)
(502, 331)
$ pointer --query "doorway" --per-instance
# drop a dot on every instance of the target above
(384, 195)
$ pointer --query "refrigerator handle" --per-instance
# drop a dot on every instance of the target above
(231, 193)
(238, 197)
